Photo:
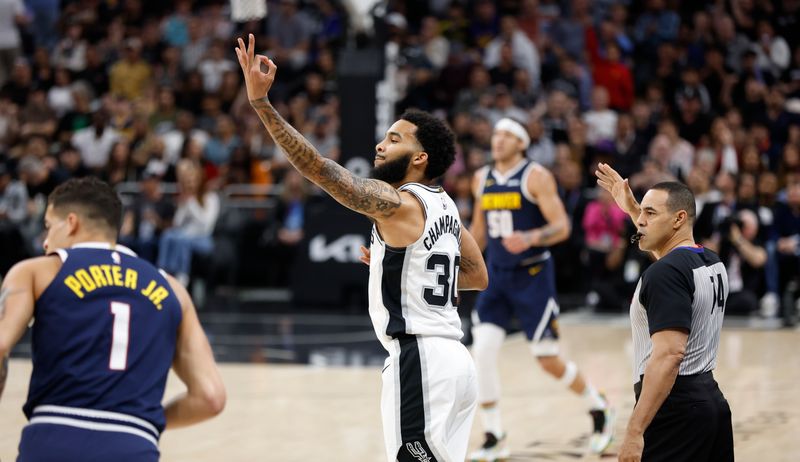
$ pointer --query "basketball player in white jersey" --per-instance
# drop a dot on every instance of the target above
(419, 258)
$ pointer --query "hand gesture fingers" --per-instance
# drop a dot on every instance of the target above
(365, 255)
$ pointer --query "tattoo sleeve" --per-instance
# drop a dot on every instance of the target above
(367, 196)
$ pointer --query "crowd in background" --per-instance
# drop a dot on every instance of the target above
(707, 93)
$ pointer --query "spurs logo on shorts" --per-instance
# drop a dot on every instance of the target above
(418, 452)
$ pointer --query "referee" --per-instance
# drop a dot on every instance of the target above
(676, 318)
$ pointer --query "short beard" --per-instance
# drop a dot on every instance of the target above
(392, 171)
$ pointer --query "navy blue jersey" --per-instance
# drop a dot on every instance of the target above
(104, 335)
(508, 206)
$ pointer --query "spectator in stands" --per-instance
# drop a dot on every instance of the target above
(523, 52)
(288, 228)
(193, 224)
(787, 231)
(601, 122)
(130, 76)
(36, 117)
(610, 72)
(20, 84)
(149, 215)
(12, 14)
(289, 36)
(95, 142)
(214, 65)
(70, 52)
(603, 225)
(13, 214)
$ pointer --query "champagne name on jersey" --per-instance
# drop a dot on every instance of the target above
(446, 224)
(88, 279)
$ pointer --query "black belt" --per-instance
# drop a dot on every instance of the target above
(703, 377)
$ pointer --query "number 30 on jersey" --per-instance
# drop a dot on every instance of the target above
(446, 288)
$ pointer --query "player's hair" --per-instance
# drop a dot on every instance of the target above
(679, 197)
(90, 197)
(436, 139)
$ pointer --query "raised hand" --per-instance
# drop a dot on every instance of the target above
(257, 81)
(611, 181)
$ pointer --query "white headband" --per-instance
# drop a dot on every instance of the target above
(516, 129)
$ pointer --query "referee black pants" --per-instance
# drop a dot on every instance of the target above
(693, 424)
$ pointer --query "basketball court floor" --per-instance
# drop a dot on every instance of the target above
(293, 413)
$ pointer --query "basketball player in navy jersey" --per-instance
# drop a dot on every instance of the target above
(419, 257)
(107, 328)
(518, 214)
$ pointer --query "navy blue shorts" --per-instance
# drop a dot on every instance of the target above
(46, 442)
(527, 294)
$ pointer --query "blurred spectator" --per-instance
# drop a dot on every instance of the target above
(523, 52)
(503, 71)
(176, 25)
(287, 231)
(130, 76)
(610, 72)
(95, 142)
(44, 23)
(120, 167)
(215, 64)
(193, 224)
(194, 51)
(70, 164)
(13, 213)
(21, 83)
(656, 25)
(787, 231)
(601, 122)
(59, 97)
(773, 54)
(165, 115)
(484, 25)
(144, 221)
(12, 15)
(70, 52)
(603, 224)
(289, 35)
(541, 149)
(36, 117)
(175, 138)
(744, 256)
(435, 47)
(224, 141)
(568, 253)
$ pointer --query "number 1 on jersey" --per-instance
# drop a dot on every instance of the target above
(120, 334)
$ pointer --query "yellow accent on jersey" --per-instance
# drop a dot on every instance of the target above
(501, 201)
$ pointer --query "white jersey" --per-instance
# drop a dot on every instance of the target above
(413, 290)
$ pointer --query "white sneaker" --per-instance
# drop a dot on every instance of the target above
(603, 432)
(493, 449)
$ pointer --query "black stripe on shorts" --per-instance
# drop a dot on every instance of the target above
(413, 447)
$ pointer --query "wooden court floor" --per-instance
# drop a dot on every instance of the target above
(300, 413)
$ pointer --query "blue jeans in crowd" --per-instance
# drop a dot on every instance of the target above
(176, 249)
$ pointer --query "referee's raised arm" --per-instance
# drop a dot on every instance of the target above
(676, 319)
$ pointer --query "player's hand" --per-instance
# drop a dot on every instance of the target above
(365, 254)
(257, 81)
(518, 242)
(611, 181)
(631, 449)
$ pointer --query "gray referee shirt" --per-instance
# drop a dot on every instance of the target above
(685, 289)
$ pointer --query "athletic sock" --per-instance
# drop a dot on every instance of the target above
(491, 420)
(593, 398)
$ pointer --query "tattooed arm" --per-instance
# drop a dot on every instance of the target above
(374, 198)
(472, 273)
